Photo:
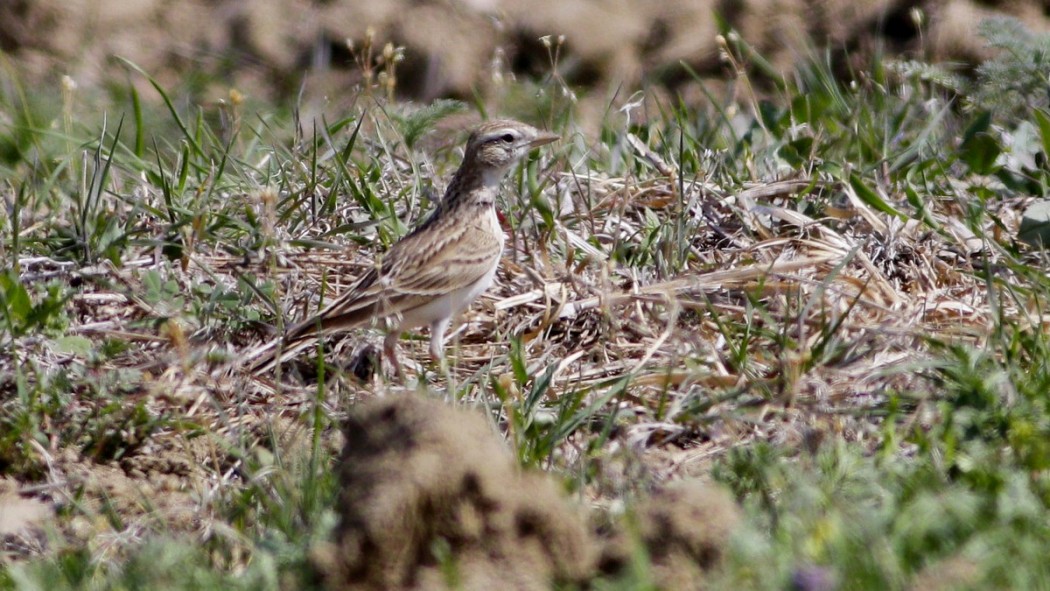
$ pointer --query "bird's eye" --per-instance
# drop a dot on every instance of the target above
(507, 138)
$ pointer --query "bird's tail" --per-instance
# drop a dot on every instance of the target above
(303, 335)
(268, 355)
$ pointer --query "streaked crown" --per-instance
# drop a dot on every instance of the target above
(500, 143)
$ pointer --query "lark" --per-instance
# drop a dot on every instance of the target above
(435, 272)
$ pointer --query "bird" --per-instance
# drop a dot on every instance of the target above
(436, 271)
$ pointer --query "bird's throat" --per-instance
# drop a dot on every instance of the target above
(476, 185)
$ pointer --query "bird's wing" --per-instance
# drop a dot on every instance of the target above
(421, 267)
(461, 257)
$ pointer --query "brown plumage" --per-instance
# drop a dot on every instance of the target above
(437, 270)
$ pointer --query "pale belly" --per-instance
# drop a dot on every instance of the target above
(454, 302)
(448, 305)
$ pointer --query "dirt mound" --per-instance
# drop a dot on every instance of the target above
(683, 527)
(266, 47)
(431, 499)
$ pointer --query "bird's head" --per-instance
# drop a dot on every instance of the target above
(496, 145)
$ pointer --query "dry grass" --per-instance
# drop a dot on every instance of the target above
(775, 325)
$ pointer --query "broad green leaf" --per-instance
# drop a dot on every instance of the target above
(1042, 120)
(16, 297)
(979, 150)
(870, 197)
(71, 345)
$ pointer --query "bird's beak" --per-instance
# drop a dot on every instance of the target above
(542, 139)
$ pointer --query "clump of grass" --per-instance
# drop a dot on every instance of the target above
(1013, 82)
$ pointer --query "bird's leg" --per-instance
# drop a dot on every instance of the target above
(389, 352)
(437, 341)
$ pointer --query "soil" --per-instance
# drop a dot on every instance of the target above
(432, 499)
(456, 48)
